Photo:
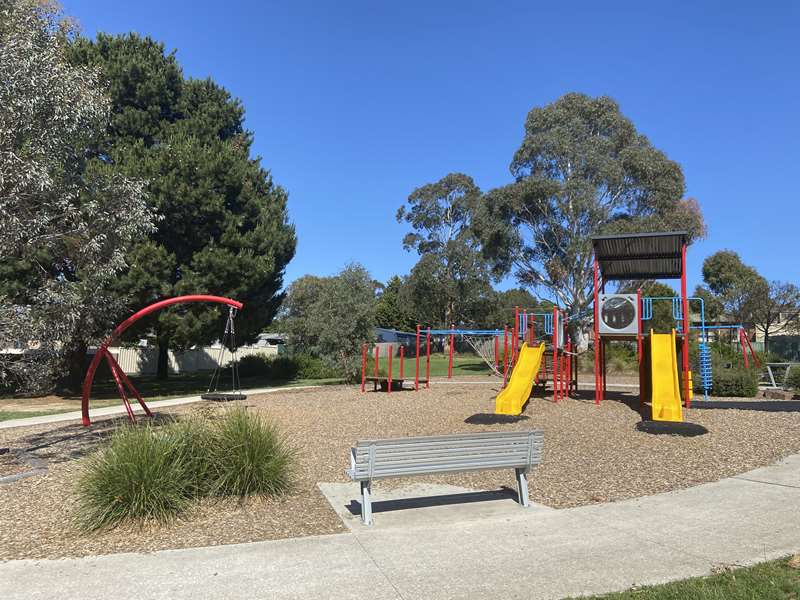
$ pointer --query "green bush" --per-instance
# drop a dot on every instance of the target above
(142, 474)
(249, 456)
(153, 473)
(285, 368)
(793, 381)
(740, 383)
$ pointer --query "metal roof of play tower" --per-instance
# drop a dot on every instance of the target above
(640, 255)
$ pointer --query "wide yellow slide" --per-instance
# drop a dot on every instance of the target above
(665, 385)
(513, 398)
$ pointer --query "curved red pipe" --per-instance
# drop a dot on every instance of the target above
(119, 329)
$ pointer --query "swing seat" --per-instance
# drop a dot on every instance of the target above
(223, 397)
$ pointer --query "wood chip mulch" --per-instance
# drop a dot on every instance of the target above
(592, 454)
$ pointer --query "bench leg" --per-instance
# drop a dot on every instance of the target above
(366, 503)
(522, 486)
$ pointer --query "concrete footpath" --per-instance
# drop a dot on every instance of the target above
(499, 552)
(113, 411)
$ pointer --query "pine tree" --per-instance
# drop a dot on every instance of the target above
(223, 226)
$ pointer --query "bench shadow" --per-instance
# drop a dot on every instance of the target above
(757, 405)
(504, 493)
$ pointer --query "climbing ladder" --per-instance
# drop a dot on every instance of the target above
(705, 367)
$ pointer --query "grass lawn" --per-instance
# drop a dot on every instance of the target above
(775, 580)
(104, 393)
(462, 365)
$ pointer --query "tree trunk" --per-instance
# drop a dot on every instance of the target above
(162, 369)
(766, 340)
(75, 365)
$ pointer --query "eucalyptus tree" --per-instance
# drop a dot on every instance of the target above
(582, 169)
(68, 220)
(451, 273)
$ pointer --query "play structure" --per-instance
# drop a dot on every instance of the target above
(121, 380)
(665, 377)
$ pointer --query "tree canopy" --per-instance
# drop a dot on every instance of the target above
(582, 169)
(330, 317)
(69, 218)
(224, 226)
(451, 281)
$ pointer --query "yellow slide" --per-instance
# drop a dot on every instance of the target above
(665, 385)
(511, 400)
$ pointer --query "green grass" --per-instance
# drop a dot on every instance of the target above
(175, 387)
(775, 580)
(154, 472)
(8, 415)
(462, 365)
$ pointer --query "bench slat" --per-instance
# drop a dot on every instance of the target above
(389, 453)
(452, 437)
(436, 462)
(364, 447)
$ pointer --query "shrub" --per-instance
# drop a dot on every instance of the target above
(285, 368)
(153, 473)
(793, 381)
(741, 383)
(249, 456)
(142, 474)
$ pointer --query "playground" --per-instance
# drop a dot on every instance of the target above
(593, 456)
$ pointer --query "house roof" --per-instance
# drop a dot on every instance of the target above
(640, 255)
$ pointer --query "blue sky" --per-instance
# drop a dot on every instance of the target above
(354, 104)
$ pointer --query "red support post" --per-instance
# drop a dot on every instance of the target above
(363, 367)
(505, 355)
(530, 329)
(128, 384)
(639, 342)
(416, 364)
(450, 362)
(555, 354)
(389, 377)
(402, 360)
(120, 389)
(515, 337)
(743, 344)
(598, 388)
(428, 359)
(685, 303)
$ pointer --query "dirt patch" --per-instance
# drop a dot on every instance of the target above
(592, 454)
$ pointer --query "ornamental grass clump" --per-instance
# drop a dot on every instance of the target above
(151, 473)
(249, 456)
(142, 475)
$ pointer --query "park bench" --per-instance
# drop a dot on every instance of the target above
(405, 457)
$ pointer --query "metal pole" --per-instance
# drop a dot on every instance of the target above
(596, 324)
(428, 360)
(497, 352)
(402, 360)
(377, 359)
(505, 355)
(363, 366)
(416, 364)
(450, 362)
(685, 303)
(555, 354)
(389, 377)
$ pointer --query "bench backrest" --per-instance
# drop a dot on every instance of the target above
(376, 459)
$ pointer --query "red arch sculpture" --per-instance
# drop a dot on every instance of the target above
(120, 378)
